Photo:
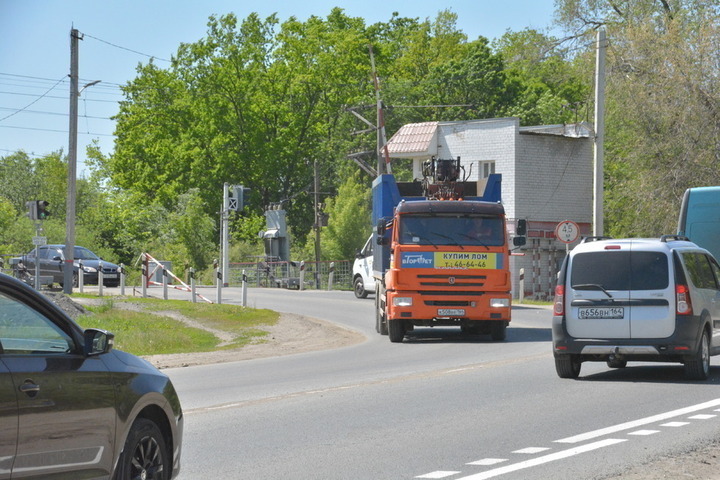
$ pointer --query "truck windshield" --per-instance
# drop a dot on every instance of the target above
(487, 231)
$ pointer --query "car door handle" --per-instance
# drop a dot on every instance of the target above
(29, 388)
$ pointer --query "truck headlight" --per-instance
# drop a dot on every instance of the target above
(402, 301)
(499, 302)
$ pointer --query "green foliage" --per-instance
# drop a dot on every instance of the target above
(348, 221)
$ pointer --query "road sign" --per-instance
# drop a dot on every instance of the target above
(39, 241)
(567, 231)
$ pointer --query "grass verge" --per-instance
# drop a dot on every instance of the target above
(140, 332)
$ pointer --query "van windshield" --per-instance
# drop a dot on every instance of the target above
(621, 270)
(488, 231)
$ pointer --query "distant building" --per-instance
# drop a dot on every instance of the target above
(547, 178)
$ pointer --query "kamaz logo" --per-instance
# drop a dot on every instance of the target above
(417, 260)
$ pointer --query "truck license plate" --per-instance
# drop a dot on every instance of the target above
(450, 312)
(590, 313)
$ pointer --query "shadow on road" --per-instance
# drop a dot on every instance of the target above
(421, 335)
(659, 373)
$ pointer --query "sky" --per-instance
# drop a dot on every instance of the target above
(120, 34)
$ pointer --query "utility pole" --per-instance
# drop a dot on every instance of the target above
(225, 219)
(383, 155)
(318, 222)
(598, 150)
(72, 165)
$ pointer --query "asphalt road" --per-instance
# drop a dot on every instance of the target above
(439, 405)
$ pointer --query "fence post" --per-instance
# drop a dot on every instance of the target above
(192, 285)
(165, 283)
(101, 279)
(121, 272)
(143, 280)
(244, 289)
(219, 283)
(302, 275)
(331, 276)
(81, 277)
(521, 286)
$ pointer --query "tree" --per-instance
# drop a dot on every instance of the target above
(663, 122)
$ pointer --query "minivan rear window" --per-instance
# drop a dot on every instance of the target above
(621, 270)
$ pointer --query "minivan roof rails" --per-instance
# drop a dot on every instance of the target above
(670, 238)
(594, 238)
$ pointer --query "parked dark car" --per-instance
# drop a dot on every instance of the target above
(52, 260)
(71, 406)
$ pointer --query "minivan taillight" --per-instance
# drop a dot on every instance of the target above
(683, 304)
(559, 301)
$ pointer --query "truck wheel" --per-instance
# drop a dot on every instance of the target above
(359, 288)
(567, 366)
(498, 331)
(396, 329)
(698, 368)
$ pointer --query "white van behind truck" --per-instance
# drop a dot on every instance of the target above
(363, 280)
(654, 300)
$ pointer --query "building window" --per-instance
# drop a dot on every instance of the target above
(486, 168)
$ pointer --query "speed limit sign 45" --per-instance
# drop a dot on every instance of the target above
(567, 231)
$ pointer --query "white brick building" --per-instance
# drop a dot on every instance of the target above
(547, 178)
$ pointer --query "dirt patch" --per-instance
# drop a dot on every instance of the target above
(701, 464)
(292, 334)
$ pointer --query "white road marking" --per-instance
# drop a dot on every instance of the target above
(638, 423)
(644, 432)
(531, 450)
(702, 417)
(438, 474)
(545, 459)
(675, 424)
(488, 461)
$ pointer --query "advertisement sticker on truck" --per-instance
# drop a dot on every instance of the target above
(452, 260)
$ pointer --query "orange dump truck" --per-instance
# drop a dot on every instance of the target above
(442, 258)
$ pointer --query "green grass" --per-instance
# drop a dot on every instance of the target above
(146, 333)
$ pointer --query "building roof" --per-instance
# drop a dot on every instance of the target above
(415, 138)
(573, 130)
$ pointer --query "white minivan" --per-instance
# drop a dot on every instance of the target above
(362, 274)
(637, 300)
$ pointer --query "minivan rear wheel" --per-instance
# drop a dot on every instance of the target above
(698, 367)
(567, 366)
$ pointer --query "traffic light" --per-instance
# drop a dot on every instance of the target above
(240, 193)
(41, 210)
(32, 210)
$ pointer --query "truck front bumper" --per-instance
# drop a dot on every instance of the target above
(454, 308)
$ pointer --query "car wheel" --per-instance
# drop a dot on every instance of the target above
(698, 367)
(567, 366)
(145, 454)
(396, 331)
(359, 288)
(498, 331)
(75, 280)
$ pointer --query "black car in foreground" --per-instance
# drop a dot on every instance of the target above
(52, 260)
(71, 406)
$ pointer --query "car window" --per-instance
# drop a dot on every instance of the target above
(699, 270)
(621, 270)
(715, 269)
(23, 330)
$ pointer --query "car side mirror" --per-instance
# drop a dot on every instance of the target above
(57, 258)
(519, 241)
(98, 341)
(358, 254)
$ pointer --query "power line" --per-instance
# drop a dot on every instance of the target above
(34, 101)
(57, 131)
(125, 48)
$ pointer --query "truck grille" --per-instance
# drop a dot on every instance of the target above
(452, 280)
